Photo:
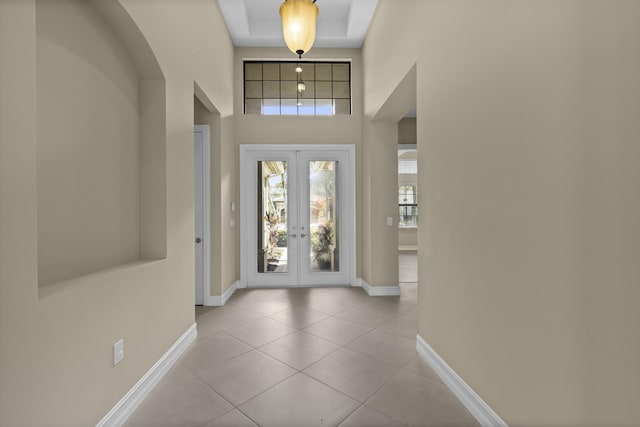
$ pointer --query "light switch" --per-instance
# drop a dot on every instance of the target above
(118, 351)
(389, 220)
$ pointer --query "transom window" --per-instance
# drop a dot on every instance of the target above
(297, 88)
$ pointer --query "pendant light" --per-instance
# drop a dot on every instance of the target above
(299, 24)
(301, 87)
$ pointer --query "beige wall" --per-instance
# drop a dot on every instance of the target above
(57, 341)
(380, 200)
(528, 152)
(89, 151)
(611, 208)
(407, 131)
(380, 181)
(340, 129)
(229, 184)
(408, 237)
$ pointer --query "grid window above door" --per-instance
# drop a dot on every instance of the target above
(297, 88)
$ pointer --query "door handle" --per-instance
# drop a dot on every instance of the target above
(198, 240)
(303, 235)
(294, 235)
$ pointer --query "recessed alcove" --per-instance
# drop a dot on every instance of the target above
(101, 159)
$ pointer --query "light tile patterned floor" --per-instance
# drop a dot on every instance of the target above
(305, 357)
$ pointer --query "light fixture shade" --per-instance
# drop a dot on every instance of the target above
(299, 24)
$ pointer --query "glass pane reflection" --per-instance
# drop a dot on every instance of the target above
(323, 215)
(272, 217)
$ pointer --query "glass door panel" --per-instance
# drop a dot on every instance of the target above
(326, 212)
(273, 235)
(269, 218)
(324, 227)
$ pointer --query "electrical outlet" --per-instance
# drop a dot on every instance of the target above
(118, 351)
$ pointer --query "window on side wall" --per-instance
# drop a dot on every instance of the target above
(408, 203)
(297, 88)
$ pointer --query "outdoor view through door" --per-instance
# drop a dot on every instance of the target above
(323, 212)
(273, 233)
(299, 217)
(323, 228)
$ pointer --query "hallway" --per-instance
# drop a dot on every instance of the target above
(304, 357)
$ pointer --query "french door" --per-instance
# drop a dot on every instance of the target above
(298, 215)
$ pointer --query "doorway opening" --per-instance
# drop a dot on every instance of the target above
(201, 201)
(408, 199)
(298, 218)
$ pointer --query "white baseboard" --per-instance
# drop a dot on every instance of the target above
(219, 301)
(379, 291)
(229, 292)
(125, 407)
(474, 404)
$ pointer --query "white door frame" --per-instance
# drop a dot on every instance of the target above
(348, 187)
(202, 203)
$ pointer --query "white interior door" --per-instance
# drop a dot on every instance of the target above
(201, 210)
(298, 222)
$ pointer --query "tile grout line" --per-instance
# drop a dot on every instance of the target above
(366, 303)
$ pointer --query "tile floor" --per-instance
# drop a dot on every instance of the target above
(305, 357)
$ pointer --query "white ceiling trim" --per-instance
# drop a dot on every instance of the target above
(256, 23)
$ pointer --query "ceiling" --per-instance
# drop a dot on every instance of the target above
(256, 23)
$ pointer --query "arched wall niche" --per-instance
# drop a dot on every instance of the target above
(101, 123)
